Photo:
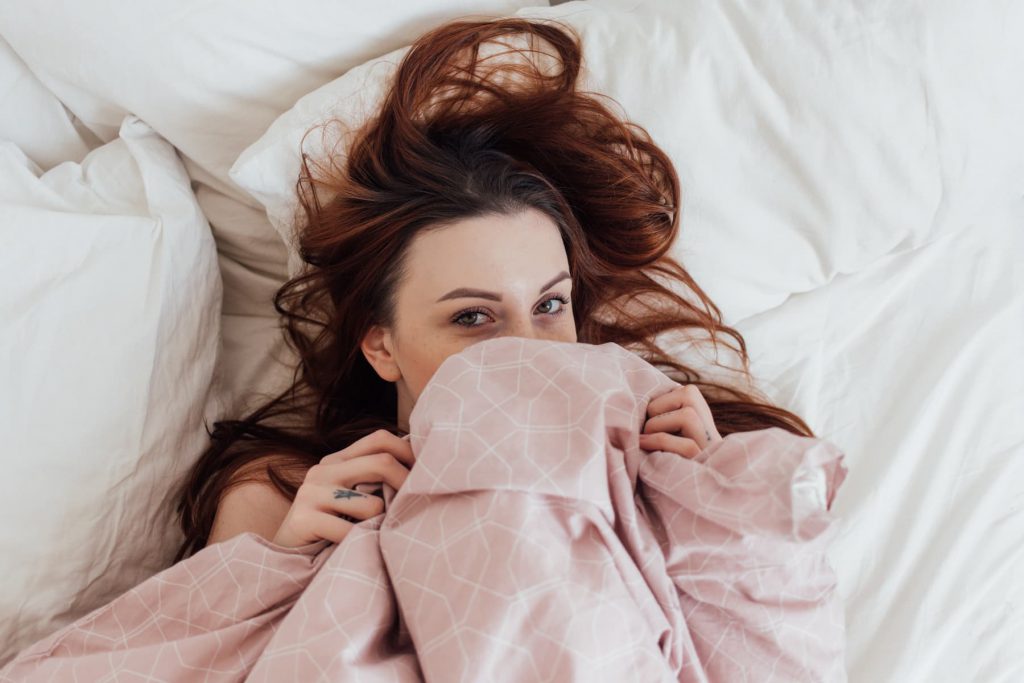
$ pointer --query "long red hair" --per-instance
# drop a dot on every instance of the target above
(461, 134)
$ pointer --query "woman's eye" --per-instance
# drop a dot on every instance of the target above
(467, 318)
(557, 304)
(472, 318)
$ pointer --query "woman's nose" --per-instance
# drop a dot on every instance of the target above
(533, 327)
(522, 326)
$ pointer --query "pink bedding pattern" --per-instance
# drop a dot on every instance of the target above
(533, 541)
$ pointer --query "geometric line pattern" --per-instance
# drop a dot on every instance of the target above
(532, 540)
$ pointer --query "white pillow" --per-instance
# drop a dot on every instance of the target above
(33, 118)
(109, 323)
(806, 140)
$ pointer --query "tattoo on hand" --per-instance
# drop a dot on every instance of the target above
(346, 493)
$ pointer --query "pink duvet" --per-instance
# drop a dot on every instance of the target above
(533, 541)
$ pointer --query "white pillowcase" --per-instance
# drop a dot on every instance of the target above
(33, 118)
(109, 323)
(805, 135)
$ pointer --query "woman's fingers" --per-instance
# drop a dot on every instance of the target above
(322, 509)
(372, 468)
(679, 421)
(329, 487)
(306, 524)
(377, 457)
(327, 505)
(670, 443)
(379, 441)
(330, 527)
(353, 503)
(670, 412)
(685, 395)
(684, 420)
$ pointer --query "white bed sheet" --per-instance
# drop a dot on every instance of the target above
(915, 368)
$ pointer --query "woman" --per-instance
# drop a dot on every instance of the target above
(488, 196)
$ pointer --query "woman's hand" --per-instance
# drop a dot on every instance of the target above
(328, 489)
(679, 421)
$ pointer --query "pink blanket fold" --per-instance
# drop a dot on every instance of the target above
(533, 541)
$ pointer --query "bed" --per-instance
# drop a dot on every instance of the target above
(853, 201)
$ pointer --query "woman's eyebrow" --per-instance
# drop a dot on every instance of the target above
(466, 292)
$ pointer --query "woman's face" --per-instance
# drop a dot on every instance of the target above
(483, 277)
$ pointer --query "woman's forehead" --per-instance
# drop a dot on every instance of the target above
(488, 252)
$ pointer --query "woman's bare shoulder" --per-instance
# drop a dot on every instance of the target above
(251, 503)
